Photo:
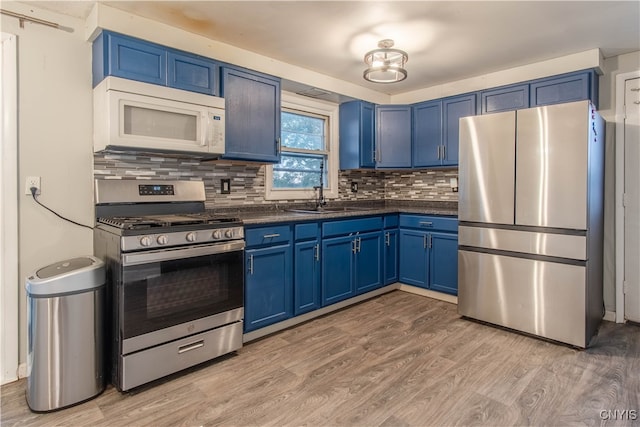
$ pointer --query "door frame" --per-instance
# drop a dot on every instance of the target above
(9, 285)
(620, 174)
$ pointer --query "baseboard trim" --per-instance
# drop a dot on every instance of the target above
(428, 293)
(609, 316)
(22, 371)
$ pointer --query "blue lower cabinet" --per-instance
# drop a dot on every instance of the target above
(268, 286)
(443, 262)
(351, 265)
(306, 281)
(390, 255)
(337, 269)
(414, 258)
(429, 258)
(368, 262)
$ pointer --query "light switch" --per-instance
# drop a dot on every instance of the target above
(225, 186)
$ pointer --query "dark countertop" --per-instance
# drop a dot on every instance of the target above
(257, 215)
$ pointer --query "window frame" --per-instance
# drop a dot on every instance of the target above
(297, 103)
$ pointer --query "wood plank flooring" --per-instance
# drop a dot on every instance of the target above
(395, 360)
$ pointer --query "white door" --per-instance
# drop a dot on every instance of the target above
(632, 200)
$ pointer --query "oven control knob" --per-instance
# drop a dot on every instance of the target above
(162, 239)
(228, 234)
(216, 234)
(191, 237)
(145, 241)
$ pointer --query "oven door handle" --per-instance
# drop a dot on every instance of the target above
(180, 253)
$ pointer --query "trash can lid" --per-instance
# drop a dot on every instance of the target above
(64, 267)
(65, 277)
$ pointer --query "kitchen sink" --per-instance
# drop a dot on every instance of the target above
(329, 210)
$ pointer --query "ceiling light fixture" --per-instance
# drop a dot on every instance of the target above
(386, 65)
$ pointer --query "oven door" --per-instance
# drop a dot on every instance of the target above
(172, 293)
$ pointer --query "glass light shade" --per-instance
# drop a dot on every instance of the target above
(386, 65)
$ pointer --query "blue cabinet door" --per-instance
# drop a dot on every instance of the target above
(390, 252)
(368, 262)
(337, 269)
(129, 58)
(453, 109)
(427, 134)
(268, 286)
(414, 258)
(443, 273)
(357, 132)
(306, 292)
(565, 88)
(193, 73)
(393, 136)
(252, 124)
(506, 98)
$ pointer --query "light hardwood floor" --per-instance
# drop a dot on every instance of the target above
(396, 360)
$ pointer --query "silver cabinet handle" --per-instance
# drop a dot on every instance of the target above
(439, 151)
(251, 264)
(353, 246)
(373, 155)
(444, 152)
(430, 241)
(191, 346)
(359, 239)
(271, 236)
(278, 146)
(426, 223)
(387, 238)
(424, 241)
(316, 252)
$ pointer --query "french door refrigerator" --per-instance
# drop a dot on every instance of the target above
(531, 220)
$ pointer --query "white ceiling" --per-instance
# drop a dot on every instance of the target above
(446, 40)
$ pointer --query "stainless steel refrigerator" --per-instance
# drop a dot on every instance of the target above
(531, 220)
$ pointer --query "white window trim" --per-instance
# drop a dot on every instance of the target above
(323, 108)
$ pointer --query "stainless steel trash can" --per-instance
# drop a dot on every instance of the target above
(65, 315)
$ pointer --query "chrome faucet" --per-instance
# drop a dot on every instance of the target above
(320, 201)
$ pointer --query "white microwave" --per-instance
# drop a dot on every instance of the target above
(131, 116)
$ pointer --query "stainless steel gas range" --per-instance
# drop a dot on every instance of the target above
(175, 274)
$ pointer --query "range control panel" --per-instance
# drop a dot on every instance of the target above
(156, 190)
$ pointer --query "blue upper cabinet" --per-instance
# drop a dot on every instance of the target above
(193, 73)
(454, 108)
(427, 134)
(129, 58)
(252, 127)
(570, 87)
(134, 59)
(506, 98)
(357, 135)
(393, 136)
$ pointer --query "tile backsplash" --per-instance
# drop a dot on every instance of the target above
(247, 180)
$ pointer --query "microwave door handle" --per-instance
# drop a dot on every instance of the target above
(206, 129)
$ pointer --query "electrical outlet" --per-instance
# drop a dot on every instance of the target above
(225, 186)
(32, 181)
(354, 187)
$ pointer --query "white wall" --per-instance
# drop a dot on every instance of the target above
(611, 67)
(54, 142)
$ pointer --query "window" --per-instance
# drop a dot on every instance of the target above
(308, 140)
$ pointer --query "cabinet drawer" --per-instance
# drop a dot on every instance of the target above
(336, 228)
(268, 235)
(390, 221)
(442, 223)
(307, 231)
